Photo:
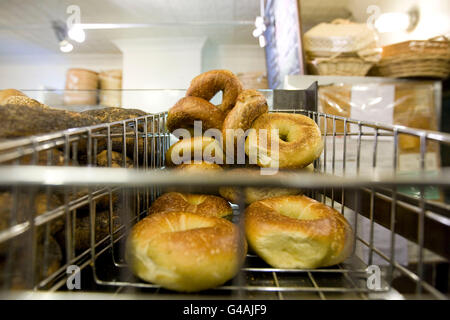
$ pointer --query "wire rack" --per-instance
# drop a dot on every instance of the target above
(359, 173)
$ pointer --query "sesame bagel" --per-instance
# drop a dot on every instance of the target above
(298, 137)
(207, 84)
(297, 232)
(184, 251)
(6, 93)
(195, 203)
(190, 109)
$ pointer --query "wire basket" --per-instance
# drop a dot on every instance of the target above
(100, 205)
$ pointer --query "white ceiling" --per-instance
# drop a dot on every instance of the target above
(25, 25)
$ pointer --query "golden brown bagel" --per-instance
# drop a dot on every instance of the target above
(185, 251)
(250, 105)
(194, 203)
(197, 167)
(207, 84)
(252, 194)
(186, 150)
(189, 109)
(6, 93)
(299, 141)
(297, 232)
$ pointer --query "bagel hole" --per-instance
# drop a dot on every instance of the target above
(283, 132)
(217, 99)
(284, 136)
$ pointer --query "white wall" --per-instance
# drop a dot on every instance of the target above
(236, 58)
(158, 63)
(39, 71)
(147, 64)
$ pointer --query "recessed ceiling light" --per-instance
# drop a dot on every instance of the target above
(65, 46)
(77, 33)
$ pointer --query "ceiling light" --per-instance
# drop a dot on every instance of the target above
(259, 21)
(77, 33)
(65, 46)
(397, 21)
(257, 32)
(262, 41)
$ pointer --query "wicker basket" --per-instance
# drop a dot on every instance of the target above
(424, 58)
(340, 66)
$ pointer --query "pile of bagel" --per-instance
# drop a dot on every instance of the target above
(188, 243)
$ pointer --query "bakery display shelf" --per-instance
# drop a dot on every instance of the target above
(342, 179)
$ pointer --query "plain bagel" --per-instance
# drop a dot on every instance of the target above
(297, 232)
(250, 105)
(186, 150)
(195, 203)
(189, 109)
(207, 84)
(252, 194)
(299, 141)
(185, 251)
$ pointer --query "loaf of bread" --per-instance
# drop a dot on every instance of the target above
(113, 114)
(23, 120)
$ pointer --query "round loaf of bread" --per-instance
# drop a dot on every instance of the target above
(184, 251)
(297, 232)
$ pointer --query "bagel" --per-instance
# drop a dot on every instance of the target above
(194, 203)
(186, 150)
(190, 109)
(184, 251)
(297, 232)
(250, 104)
(23, 101)
(198, 167)
(207, 84)
(6, 93)
(252, 194)
(299, 141)
(116, 160)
